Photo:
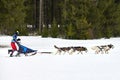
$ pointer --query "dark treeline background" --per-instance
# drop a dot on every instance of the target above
(73, 19)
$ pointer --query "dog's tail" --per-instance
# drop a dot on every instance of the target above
(56, 47)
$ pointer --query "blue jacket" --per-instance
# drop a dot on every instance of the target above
(14, 38)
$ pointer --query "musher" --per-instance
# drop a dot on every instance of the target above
(14, 43)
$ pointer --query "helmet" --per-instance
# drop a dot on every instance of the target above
(17, 32)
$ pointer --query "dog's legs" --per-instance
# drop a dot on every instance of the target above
(71, 52)
(78, 52)
(81, 52)
(57, 52)
(102, 52)
(68, 52)
(96, 51)
(106, 51)
(99, 51)
(64, 52)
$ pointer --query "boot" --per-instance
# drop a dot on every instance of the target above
(9, 51)
(11, 55)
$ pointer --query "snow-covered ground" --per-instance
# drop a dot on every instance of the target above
(89, 66)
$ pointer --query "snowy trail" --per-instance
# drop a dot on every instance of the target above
(51, 67)
(89, 66)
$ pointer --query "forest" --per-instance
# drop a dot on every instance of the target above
(69, 19)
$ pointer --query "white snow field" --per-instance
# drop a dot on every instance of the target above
(89, 66)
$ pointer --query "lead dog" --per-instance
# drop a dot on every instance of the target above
(106, 48)
(103, 48)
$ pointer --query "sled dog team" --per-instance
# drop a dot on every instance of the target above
(25, 50)
(81, 49)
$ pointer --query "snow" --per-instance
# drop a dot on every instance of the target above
(89, 66)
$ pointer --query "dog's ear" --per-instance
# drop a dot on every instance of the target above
(111, 44)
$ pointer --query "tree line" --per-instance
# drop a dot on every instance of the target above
(72, 19)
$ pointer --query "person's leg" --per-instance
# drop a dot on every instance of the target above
(11, 53)
(13, 46)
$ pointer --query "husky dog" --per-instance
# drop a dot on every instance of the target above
(70, 50)
(106, 48)
(79, 49)
(62, 49)
(102, 48)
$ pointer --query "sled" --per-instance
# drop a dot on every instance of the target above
(25, 50)
(22, 50)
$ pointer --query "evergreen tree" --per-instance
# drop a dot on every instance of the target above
(45, 31)
(54, 29)
(30, 7)
(70, 32)
(76, 13)
(80, 19)
(14, 15)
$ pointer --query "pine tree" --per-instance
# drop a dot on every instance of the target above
(70, 32)
(14, 15)
(54, 29)
(45, 31)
